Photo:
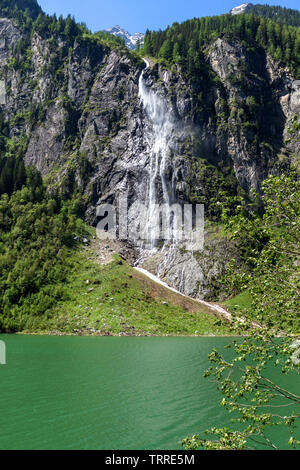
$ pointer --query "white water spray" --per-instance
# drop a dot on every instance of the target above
(162, 135)
(158, 142)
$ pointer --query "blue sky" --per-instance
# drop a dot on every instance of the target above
(138, 15)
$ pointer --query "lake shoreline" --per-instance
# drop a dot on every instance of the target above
(123, 335)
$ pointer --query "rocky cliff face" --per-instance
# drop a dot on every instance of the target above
(77, 112)
(270, 93)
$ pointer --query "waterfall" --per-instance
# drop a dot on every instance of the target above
(158, 142)
(163, 134)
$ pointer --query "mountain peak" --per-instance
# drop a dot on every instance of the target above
(130, 39)
(241, 8)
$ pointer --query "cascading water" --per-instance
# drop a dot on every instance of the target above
(163, 136)
(158, 142)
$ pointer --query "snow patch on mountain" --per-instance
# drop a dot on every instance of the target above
(241, 8)
(130, 39)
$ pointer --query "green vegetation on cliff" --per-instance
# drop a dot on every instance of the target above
(30, 18)
(185, 43)
(17, 8)
(285, 15)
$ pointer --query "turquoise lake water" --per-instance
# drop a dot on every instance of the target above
(106, 393)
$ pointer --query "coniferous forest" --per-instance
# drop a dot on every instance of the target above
(185, 43)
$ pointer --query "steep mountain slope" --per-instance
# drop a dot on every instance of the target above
(89, 98)
(17, 7)
(73, 109)
(276, 13)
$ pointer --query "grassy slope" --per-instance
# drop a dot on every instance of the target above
(239, 302)
(117, 300)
